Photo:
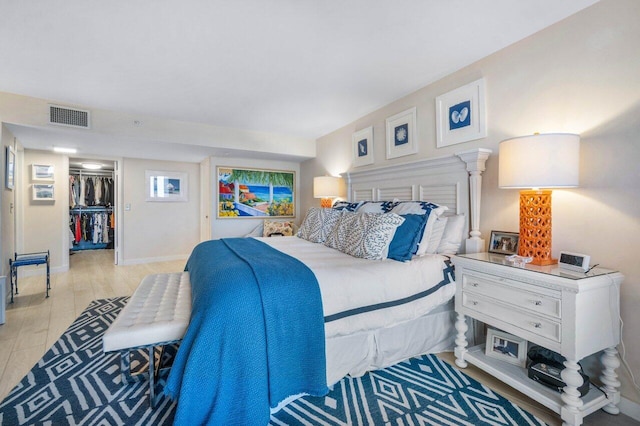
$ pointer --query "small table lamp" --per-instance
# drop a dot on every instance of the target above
(538, 161)
(327, 188)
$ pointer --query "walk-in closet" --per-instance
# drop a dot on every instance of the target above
(91, 205)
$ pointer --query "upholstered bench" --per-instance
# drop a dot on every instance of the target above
(157, 314)
(27, 259)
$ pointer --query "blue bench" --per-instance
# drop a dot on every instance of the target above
(26, 259)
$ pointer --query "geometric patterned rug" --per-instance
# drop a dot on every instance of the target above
(76, 383)
(420, 391)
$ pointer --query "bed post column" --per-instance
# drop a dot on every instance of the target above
(475, 160)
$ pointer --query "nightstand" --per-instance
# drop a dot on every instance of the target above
(574, 314)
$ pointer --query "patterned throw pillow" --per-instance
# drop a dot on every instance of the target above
(318, 223)
(345, 205)
(364, 235)
(417, 207)
(281, 228)
(376, 207)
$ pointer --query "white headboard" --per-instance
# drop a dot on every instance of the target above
(453, 181)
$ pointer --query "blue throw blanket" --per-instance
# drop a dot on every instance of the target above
(256, 335)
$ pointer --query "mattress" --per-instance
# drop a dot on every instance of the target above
(360, 295)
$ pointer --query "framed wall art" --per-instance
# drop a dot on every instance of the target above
(43, 172)
(362, 141)
(507, 347)
(251, 193)
(401, 134)
(10, 168)
(460, 115)
(504, 242)
(166, 186)
(42, 192)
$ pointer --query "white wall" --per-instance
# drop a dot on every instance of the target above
(238, 227)
(582, 76)
(7, 206)
(46, 223)
(156, 231)
(152, 231)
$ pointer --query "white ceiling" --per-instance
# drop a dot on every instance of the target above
(296, 67)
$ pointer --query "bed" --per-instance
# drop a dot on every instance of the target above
(369, 314)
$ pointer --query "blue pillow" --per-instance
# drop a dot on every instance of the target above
(408, 235)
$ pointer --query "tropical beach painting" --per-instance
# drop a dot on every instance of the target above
(254, 193)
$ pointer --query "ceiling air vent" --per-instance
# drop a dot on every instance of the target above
(62, 116)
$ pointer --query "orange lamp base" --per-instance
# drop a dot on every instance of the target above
(326, 203)
(535, 227)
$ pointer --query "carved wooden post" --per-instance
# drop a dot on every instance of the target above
(475, 160)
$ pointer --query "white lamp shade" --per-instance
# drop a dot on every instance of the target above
(327, 187)
(549, 160)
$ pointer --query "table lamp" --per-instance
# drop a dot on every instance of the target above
(538, 163)
(327, 188)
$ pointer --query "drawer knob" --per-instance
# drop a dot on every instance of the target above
(537, 302)
(536, 324)
(474, 284)
(474, 302)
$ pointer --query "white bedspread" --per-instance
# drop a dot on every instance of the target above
(347, 283)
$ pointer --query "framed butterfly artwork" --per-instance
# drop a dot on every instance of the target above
(460, 115)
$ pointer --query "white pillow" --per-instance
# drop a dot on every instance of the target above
(436, 234)
(318, 224)
(364, 235)
(257, 231)
(452, 237)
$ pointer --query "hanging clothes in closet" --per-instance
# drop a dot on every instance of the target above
(91, 229)
(90, 191)
(91, 218)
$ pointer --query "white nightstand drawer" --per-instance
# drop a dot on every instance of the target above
(526, 321)
(512, 292)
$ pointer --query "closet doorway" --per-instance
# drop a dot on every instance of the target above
(92, 209)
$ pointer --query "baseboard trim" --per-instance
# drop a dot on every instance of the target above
(630, 408)
(154, 259)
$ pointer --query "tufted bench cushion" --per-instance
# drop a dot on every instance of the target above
(158, 311)
(157, 314)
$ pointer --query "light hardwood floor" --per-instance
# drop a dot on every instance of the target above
(34, 322)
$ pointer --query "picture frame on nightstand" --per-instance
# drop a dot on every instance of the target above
(502, 242)
(506, 347)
